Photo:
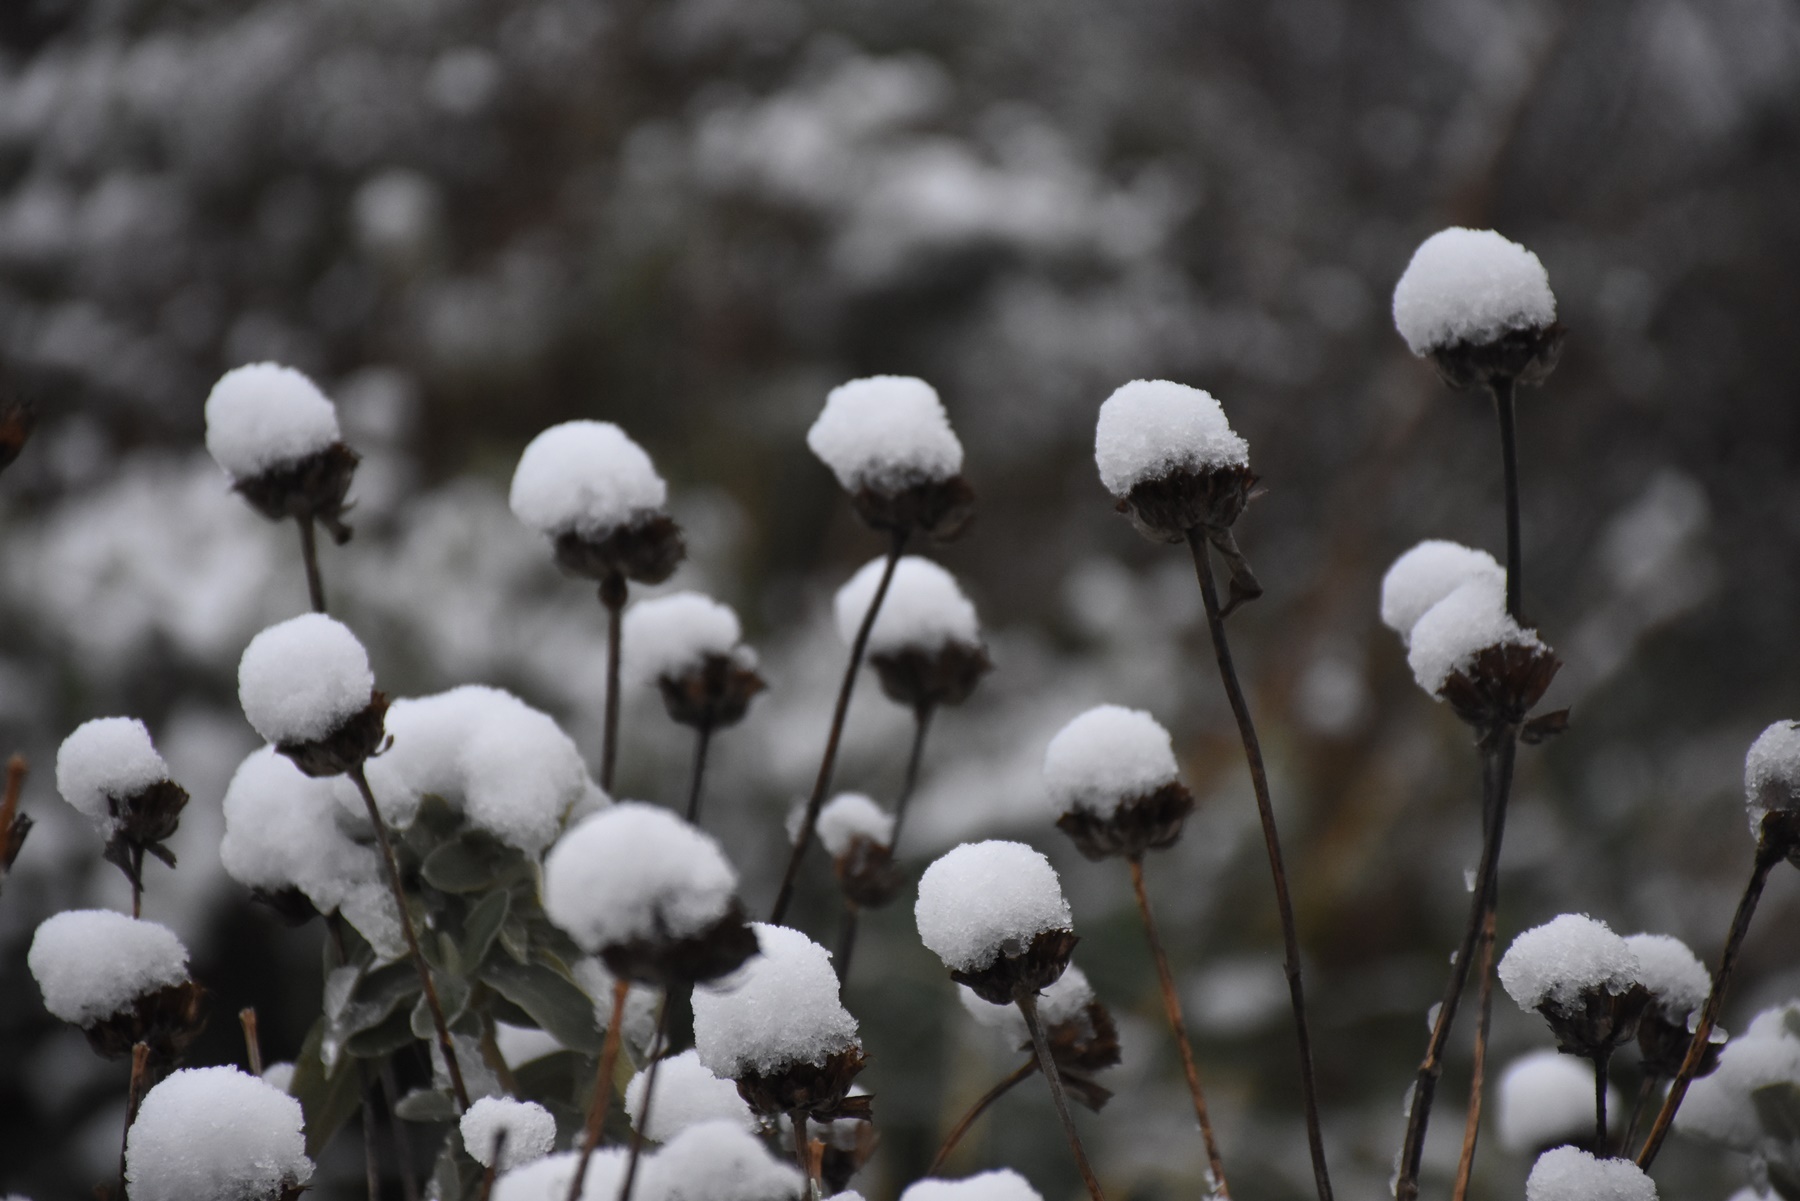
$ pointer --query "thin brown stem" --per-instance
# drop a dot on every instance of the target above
(1502, 389)
(828, 762)
(1172, 1009)
(1027, 1003)
(976, 1110)
(309, 555)
(1646, 1090)
(1768, 854)
(134, 1096)
(390, 1095)
(448, 1049)
(847, 939)
(597, 1104)
(612, 595)
(1465, 1167)
(252, 1043)
(921, 726)
(493, 1165)
(642, 1122)
(1265, 808)
(1601, 1142)
(137, 880)
(702, 742)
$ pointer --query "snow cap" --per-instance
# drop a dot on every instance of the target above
(584, 477)
(686, 1095)
(720, 1161)
(1571, 1174)
(1003, 1184)
(283, 830)
(1558, 961)
(844, 818)
(215, 1134)
(1470, 285)
(1719, 1107)
(779, 1010)
(301, 680)
(1427, 574)
(1677, 980)
(93, 963)
(1107, 756)
(529, 1129)
(1062, 1002)
(1547, 1098)
(885, 433)
(983, 900)
(671, 635)
(548, 1179)
(1152, 427)
(924, 609)
(264, 416)
(108, 757)
(1462, 625)
(635, 871)
(1771, 773)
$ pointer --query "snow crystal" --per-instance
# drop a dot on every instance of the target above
(1470, 285)
(779, 1010)
(1571, 1174)
(1062, 1002)
(1151, 427)
(1001, 1185)
(529, 1129)
(302, 679)
(109, 757)
(1105, 757)
(1547, 1098)
(686, 1095)
(1427, 574)
(283, 830)
(1677, 980)
(885, 433)
(1459, 627)
(584, 477)
(672, 635)
(1718, 1106)
(264, 416)
(1771, 772)
(215, 1134)
(93, 963)
(1556, 962)
(849, 816)
(987, 899)
(635, 871)
(548, 1179)
(720, 1161)
(924, 609)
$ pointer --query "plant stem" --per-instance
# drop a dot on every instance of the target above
(1502, 389)
(1646, 1090)
(1768, 854)
(309, 555)
(1172, 1008)
(361, 780)
(252, 1044)
(371, 1153)
(643, 1118)
(1027, 1003)
(137, 881)
(702, 741)
(1259, 781)
(828, 763)
(847, 940)
(134, 1095)
(597, 1104)
(976, 1110)
(493, 1165)
(1465, 1167)
(390, 1095)
(1601, 1059)
(922, 716)
(613, 591)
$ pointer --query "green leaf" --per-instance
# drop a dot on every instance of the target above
(426, 1105)
(327, 1100)
(393, 1034)
(550, 998)
(471, 862)
(482, 927)
(453, 995)
(515, 940)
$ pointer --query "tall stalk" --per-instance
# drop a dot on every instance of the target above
(597, 1104)
(1259, 781)
(1027, 1003)
(643, 1118)
(980, 1107)
(134, 1096)
(613, 591)
(1502, 389)
(1601, 1059)
(1465, 1167)
(309, 555)
(702, 742)
(922, 715)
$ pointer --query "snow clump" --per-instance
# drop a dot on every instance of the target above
(1719, 1107)
(686, 1095)
(1062, 1002)
(265, 416)
(924, 610)
(215, 1134)
(779, 1010)
(1452, 632)
(529, 1129)
(1771, 773)
(1425, 575)
(1003, 1184)
(301, 680)
(1547, 1098)
(1151, 428)
(548, 1179)
(720, 1161)
(669, 636)
(1470, 286)
(1677, 980)
(1571, 1174)
(1107, 756)
(584, 477)
(635, 871)
(983, 900)
(884, 434)
(105, 761)
(1555, 963)
(93, 963)
(845, 818)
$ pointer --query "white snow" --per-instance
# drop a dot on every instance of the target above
(637, 1024)
(849, 816)
(1427, 574)
(215, 1134)
(1571, 1174)
(1003, 1184)
(106, 757)
(529, 1129)
(779, 1010)
(885, 433)
(686, 1095)
(719, 1161)
(1105, 757)
(548, 1179)
(635, 871)
(1563, 958)
(924, 609)
(585, 477)
(302, 679)
(93, 963)
(1152, 427)
(1470, 285)
(279, 1075)
(525, 1044)
(671, 635)
(1718, 1107)
(1546, 1098)
(1462, 625)
(1771, 772)
(264, 416)
(983, 900)
(1062, 1002)
(1676, 979)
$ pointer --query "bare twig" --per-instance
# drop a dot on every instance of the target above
(922, 716)
(1646, 1089)
(493, 1165)
(1601, 1059)
(1502, 389)
(134, 1096)
(642, 1121)
(1465, 1167)
(252, 1044)
(980, 1107)
(1027, 1003)
(309, 555)
(613, 591)
(702, 742)
(597, 1104)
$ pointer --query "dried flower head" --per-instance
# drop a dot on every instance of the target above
(1467, 650)
(1678, 984)
(858, 834)
(306, 687)
(594, 492)
(1112, 777)
(276, 435)
(926, 641)
(690, 647)
(995, 914)
(1481, 307)
(1169, 455)
(108, 770)
(1078, 1026)
(217, 1134)
(1772, 788)
(889, 442)
(1582, 978)
(122, 980)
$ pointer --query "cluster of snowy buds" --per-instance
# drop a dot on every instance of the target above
(691, 647)
(858, 834)
(926, 641)
(889, 442)
(122, 980)
(276, 435)
(1112, 775)
(1480, 307)
(110, 772)
(1584, 979)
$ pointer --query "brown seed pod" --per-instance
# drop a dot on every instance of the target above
(1140, 824)
(646, 551)
(1664, 1045)
(353, 743)
(672, 963)
(1164, 509)
(1501, 685)
(942, 508)
(713, 695)
(1523, 356)
(1599, 1022)
(867, 873)
(167, 1021)
(820, 1091)
(925, 679)
(312, 488)
(1026, 974)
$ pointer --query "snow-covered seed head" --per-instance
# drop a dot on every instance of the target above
(779, 1029)
(1581, 977)
(109, 771)
(305, 686)
(91, 964)
(216, 1134)
(1678, 984)
(926, 641)
(1003, 1184)
(858, 834)
(284, 841)
(1427, 574)
(1547, 1100)
(1166, 451)
(522, 1130)
(1772, 783)
(995, 914)
(650, 894)
(1722, 1108)
(889, 442)
(1113, 781)
(1467, 650)
(548, 1179)
(690, 648)
(1480, 306)
(686, 1095)
(276, 435)
(720, 1161)
(594, 492)
(1078, 1027)
(1571, 1174)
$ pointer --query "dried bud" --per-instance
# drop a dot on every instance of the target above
(942, 509)
(1114, 783)
(1027, 973)
(1467, 650)
(1501, 684)
(925, 679)
(712, 694)
(888, 440)
(848, 1146)
(717, 950)
(313, 488)
(276, 434)
(1582, 978)
(167, 1021)
(1523, 356)
(646, 551)
(866, 871)
(820, 1091)
(1481, 307)
(1139, 824)
(348, 745)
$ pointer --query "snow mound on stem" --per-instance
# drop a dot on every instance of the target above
(983, 900)
(884, 433)
(106, 759)
(1107, 756)
(263, 416)
(1470, 285)
(93, 963)
(215, 1134)
(584, 477)
(1150, 428)
(780, 1009)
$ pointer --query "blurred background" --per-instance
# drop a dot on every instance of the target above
(471, 218)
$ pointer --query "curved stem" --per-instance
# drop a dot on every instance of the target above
(922, 716)
(1265, 808)
(976, 1110)
(309, 555)
(1465, 1167)
(612, 595)
(597, 1104)
(828, 764)
(1172, 1008)
(1502, 389)
(702, 741)
(642, 1122)
(1027, 1003)
(1601, 1142)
